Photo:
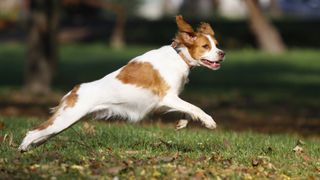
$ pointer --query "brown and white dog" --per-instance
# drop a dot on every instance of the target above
(147, 83)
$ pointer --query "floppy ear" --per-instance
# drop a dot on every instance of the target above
(186, 34)
(186, 38)
(183, 26)
(205, 28)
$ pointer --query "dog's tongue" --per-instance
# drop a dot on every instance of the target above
(214, 65)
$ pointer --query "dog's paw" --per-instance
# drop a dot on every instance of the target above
(24, 146)
(209, 122)
(211, 125)
(29, 140)
(182, 123)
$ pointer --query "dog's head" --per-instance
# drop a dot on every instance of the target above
(199, 47)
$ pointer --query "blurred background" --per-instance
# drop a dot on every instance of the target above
(270, 81)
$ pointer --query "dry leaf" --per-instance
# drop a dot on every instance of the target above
(199, 174)
(132, 152)
(156, 173)
(88, 128)
(202, 158)
(166, 159)
(115, 170)
(255, 162)
(77, 167)
(298, 149)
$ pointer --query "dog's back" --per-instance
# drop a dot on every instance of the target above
(148, 82)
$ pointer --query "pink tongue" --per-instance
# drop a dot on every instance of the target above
(215, 65)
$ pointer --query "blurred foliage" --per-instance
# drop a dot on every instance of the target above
(85, 11)
(230, 34)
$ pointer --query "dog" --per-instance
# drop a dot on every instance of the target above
(149, 82)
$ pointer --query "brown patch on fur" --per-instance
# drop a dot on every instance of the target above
(72, 98)
(196, 42)
(46, 124)
(142, 74)
(183, 25)
(68, 101)
(197, 49)
(205, 28)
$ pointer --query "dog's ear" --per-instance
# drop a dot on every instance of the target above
(205, 28)
(186, 38)
(186, 33)
(183, 26)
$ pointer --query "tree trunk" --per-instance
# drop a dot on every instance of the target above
(117, 36)
(42, 46)
(268, 38)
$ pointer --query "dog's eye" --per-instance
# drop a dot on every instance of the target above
(206, 46)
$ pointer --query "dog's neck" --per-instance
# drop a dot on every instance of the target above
(182, 51)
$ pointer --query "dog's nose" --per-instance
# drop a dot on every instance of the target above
(221, 54)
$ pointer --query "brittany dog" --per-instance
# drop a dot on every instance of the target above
(149, 82)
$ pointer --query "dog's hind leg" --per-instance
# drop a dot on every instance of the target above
(68, 112)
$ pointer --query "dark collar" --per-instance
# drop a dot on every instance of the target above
(183, 57)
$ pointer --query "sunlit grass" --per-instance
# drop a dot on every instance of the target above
(259, 84)
(154, 151)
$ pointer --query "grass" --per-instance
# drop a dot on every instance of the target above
(262, 92)
(105, 150)
(271, 93)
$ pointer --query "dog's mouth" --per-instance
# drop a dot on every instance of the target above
(214, 65)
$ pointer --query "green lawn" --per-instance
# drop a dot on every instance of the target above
(99, 149)
(253, 92)
(271, 93)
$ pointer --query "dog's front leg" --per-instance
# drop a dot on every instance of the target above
(183, 122)
(176, 104)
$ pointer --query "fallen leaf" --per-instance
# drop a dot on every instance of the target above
(255, 162)
(247, 176)
(131, 152)
(88, 128)
(143, 172)
(166, 159)
(77, 167)
(298, 149)
(285, 177)
(263, 161)
(199, 174)
(156, 173)
(215, 157)
(115, 170)
(202, 158)
(183, 170)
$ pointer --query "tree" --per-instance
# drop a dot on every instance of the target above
(41, 45)
(268, 38)
(117, 37)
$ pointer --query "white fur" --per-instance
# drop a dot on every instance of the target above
(109, 97)
(213, 53)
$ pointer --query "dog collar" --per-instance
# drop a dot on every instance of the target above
(183, 57)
